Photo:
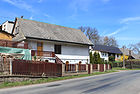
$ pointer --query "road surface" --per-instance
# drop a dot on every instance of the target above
(127, 82)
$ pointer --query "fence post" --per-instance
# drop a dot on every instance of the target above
(76, 67)
(108, 66)
(91, 68)
(87, 67)
(98, 67)
(104, 67)
(63, 69)
(10, 66)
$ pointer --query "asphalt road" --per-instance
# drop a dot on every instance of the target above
(127, 82)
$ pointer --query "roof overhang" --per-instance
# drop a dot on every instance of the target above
(58, 41)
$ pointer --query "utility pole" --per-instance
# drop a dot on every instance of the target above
(123, 57)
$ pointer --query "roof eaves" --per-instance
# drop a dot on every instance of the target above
(57, 41)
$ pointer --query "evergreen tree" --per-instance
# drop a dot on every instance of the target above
(95, 58)
(91, 58)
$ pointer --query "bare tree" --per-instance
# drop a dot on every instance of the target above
(91, 33)
(110, 41)
(135, 48)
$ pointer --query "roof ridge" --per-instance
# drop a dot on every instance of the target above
(49, 23)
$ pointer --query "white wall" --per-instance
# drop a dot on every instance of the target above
(69, 52)
(48, 46)
(74, 59)
(74, 54)
(117, 57)
(105, 57)
(7, 27)
(75, 50)
(32, 45)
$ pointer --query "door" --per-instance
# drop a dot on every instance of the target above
(40, 48)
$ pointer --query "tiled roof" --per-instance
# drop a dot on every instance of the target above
(34, 29)
(105, 48)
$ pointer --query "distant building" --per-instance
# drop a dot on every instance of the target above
(5, 35)
(106, 51)
(7, 26)
(128, 54)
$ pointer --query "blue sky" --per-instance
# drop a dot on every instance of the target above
(117, 18)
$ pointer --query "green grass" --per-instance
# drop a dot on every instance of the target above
(119, 68)
(45, 80)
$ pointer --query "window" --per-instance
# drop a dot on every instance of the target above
(57, 49)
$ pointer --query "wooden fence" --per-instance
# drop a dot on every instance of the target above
(132, 64)
(95, 67)
(70, 67)
(101, 67)
(23, 67)
(41, 68)
(82, 67)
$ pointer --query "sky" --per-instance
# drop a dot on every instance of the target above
(114, 18)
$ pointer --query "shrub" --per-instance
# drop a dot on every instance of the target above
(111, 58)
(91, 58)
(96, 59)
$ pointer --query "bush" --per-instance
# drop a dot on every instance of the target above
(96, 59)
(91, 58)
(111, 58)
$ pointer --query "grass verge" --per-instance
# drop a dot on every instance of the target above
(43, 80)
(119, 68)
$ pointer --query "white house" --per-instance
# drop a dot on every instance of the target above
(106, 51)
(8, 26)
(68, 44)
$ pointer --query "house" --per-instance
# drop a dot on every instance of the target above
(5, 35)
(128, 54)
(7, 26)
(106, 51)
(69, 44)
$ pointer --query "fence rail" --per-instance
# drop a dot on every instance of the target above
(23, 67)
(42, 53)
